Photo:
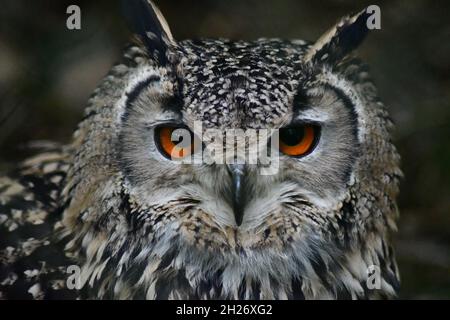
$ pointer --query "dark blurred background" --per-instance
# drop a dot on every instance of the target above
(47, 73)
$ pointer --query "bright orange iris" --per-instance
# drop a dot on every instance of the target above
(171, 148)
(297, 141)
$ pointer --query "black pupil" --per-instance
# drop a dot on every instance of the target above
(292, 136)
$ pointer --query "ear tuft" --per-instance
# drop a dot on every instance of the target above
(151, 27)
(340, 40)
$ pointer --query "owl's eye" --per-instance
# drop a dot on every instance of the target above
(299, 140)
(174, 142)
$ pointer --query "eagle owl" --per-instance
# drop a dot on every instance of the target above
(119, 213)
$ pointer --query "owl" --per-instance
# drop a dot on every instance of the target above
(119, 213)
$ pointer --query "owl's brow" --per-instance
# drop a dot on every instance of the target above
(308, 119)
(161, 121)
(134, 93)
(305, 112)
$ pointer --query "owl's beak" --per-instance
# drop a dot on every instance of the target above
(237, 172)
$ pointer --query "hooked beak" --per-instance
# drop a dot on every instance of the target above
(237, 172)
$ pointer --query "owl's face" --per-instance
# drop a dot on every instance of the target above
(228, 85)
(156, 201)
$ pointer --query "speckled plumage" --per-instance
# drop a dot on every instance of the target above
(141, 226)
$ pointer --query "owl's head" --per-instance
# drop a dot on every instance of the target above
(159, 183)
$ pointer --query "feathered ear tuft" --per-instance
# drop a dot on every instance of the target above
(340, 40)
(151, 27)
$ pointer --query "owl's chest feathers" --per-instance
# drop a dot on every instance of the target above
(145, 260)
(184, 273)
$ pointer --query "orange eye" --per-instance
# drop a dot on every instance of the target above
(298, 141)
(174, 142)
